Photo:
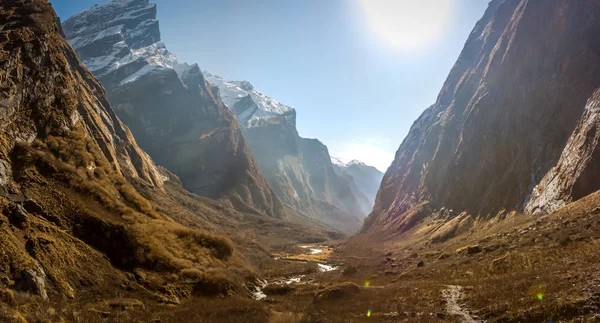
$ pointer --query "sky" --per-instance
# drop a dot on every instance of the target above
(358, 72)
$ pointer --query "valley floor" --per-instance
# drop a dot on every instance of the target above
(516, 269)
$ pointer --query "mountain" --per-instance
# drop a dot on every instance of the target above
(74, 218)
(576, 173)
(503, 118)
(176, 116)
(364, 179)
(298, 169)
(87, 216)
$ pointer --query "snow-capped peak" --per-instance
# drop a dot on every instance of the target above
(343, 162)
(233, 92)
(126, 33)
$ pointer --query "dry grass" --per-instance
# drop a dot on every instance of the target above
(528, 269)
(168, 246)
(100, 207)
(78, 160)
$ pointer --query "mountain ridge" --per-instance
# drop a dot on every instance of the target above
(173, 112)
(490, 99)
(300, 170)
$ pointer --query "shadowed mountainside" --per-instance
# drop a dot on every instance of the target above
(175, 115)
(298, 169)
(493, 132)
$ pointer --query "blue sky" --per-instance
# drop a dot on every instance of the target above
(358, 72)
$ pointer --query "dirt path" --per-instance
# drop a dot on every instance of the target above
(452, 295)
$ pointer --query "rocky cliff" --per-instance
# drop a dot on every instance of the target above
(364, 181)
(299, 170)
(175, 115)
(73, 216)
(576, 173)
(504, 114)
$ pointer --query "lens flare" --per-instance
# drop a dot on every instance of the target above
(537, 291)
(367, 283)
(369, 312)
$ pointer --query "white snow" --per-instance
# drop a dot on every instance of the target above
(110, 31)
(339, 161)
(148, 69)
(107, 61)
(157, 54)
(121, 15)
(233, 91)
(344, 163)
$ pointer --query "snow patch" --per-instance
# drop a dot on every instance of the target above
(233, 91)
(148, 69)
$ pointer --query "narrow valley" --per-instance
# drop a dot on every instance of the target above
(136, 187)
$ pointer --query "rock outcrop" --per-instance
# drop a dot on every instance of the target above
(298, 169)
(577, 172)
(503, 115)
(68, 98)
(176, 116)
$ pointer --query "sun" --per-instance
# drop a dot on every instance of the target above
(407, 24)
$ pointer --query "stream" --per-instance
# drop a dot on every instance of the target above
(322, 266)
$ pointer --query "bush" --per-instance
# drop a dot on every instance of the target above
(168, 246)
(214, 284)
(278, 289)
(350, 270)
(221, 247)
(7, 297)
(339, 291)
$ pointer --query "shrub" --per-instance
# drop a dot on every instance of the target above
(214, 284)
(167, 246)
(339, 291)
(7, 297)
(350, 270)
(278, 289)
(221, 247)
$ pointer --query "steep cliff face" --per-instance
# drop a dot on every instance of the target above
(177, 117)
(504, 114)
(364, 181)
(68, 99)
(577, 172)
(72, 215)
(299, 170)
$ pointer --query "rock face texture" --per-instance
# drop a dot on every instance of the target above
(69, 98)
(299, 170)
(364, 181)
(577, 172)
(72, 214)
(176, 116)
(504, 114)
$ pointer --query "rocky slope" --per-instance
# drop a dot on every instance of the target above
(576, 174)
(73, 216)
(299, 170)
(176, 116)
(504, 113)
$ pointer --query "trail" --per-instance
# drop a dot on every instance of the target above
(452, 295)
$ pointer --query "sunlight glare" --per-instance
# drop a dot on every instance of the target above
(408, 24)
